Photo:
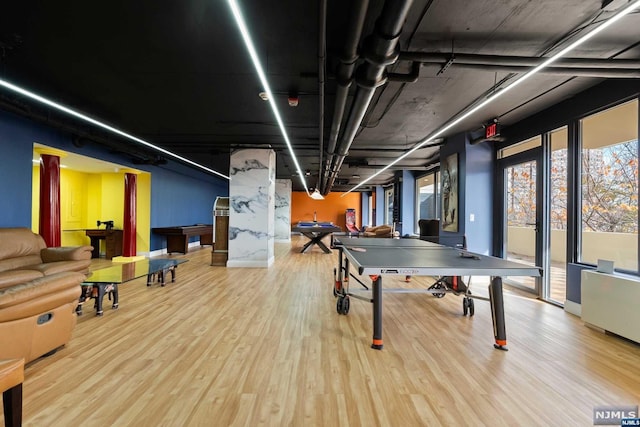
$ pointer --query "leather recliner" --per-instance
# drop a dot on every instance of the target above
(39, 291)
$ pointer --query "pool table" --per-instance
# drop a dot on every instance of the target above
(315, 232)
(178, 237)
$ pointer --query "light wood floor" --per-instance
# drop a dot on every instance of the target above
(250, 347)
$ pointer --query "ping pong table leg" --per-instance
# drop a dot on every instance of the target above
(497, 313)
(377, 312)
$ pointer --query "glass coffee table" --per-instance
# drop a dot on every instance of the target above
(106, 280)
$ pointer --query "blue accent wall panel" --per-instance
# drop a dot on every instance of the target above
(479, 197)
(574, 281)
(364, 208)
(457, 144)
(379, 215)
(15, 174)
(407, 210)
(181, 200)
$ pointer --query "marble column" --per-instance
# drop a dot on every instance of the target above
(283, 210)
(252, 208)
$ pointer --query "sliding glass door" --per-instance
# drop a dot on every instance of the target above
(520, 187)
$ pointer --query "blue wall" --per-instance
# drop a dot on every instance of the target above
(178, 199)
(365, 198)
(475, 192)
(479, 197)
(15, 176)
(408, 198)
(456, 144)
(379, 215)
(180, 195)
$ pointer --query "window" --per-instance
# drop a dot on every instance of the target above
(427, 203)
(558, 215)
(609, 187)
(388, 206)
(520, 147)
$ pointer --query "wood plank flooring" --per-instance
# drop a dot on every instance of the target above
(265, 347)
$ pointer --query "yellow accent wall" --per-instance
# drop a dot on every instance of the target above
(143, 221)
(86, 198)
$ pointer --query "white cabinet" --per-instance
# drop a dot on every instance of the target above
(612, 303)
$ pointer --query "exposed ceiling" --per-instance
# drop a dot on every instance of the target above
(176, 73)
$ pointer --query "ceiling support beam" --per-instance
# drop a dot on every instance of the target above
(380, 50)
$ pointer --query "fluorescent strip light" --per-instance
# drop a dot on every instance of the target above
(237, 14)
(103, 125)
(501, 92)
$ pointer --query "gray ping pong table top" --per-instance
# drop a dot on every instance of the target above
(374, 256)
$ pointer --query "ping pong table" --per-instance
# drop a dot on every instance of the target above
(413, 257)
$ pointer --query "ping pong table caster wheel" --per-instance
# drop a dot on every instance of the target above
(468, 306)
(437, 285)
(342, 306)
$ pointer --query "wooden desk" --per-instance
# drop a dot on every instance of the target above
(178, 237)
(112, 239)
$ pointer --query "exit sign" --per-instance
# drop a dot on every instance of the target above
(491, 130)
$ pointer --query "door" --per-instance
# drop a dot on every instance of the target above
(520, 187)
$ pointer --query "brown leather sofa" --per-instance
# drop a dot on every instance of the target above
(378, 231)
(39, 290)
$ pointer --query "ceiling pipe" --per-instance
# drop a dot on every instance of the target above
(607, 73)
(380, 49)
(517, 61)
(322, 61)
(344, 77)
(412, 77)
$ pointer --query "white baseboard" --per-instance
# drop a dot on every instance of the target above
(163, 251)
(250, 263)
(573, 308)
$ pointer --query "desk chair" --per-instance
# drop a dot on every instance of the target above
(429, 230)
